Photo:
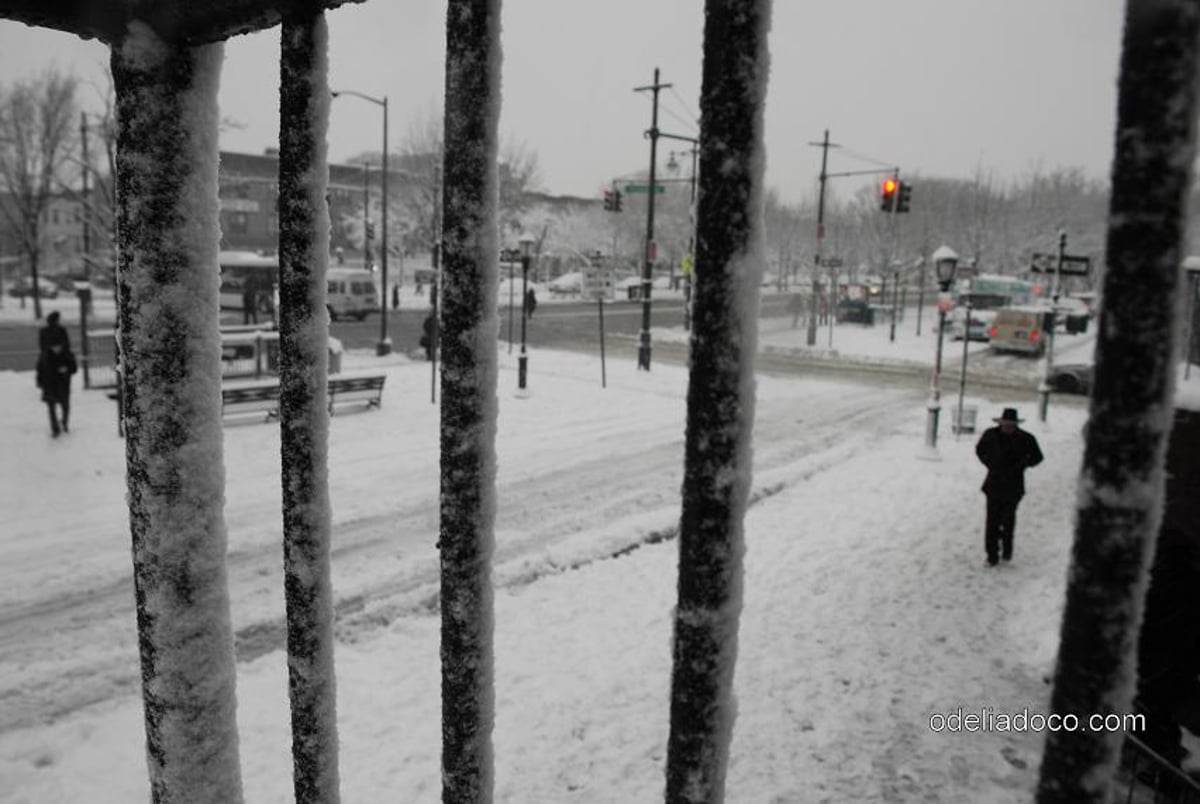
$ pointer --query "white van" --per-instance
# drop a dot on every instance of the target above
(351, 293)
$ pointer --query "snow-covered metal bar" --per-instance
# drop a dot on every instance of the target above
(1119, 506)
(170, 352)
(304, 421)
(469, 405)
(720, 401)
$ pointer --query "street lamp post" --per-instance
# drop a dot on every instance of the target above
(945, 260)
(523, 359)
(385, 343)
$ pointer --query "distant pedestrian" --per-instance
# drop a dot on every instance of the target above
(54, 369)
(53, 332)
(395, 297)
(530, 303)
(249, 302)
(1007, 451)
(428, 334)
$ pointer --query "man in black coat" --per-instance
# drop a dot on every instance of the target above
(54, 370)
(53, 332)
(1007, 451)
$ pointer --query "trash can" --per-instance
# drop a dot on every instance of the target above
(965, 424)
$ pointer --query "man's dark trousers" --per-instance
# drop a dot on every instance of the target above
(1001, 522)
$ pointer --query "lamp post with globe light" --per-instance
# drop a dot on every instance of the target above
(945, 260)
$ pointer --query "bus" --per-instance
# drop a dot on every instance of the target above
(249, 278)
(984, 295)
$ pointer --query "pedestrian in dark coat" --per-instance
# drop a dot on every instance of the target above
(53, 332)
(428, 334)
(54, 370)
(1007, 451)
(530, 303)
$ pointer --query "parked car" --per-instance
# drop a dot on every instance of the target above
(855, 311)
(1072, 379)
(46, 289)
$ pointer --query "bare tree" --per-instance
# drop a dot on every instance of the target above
(36, 131)
(89, 179)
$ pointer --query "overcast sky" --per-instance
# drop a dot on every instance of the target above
(937, 87)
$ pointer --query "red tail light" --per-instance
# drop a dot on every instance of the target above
(1034, 335)
(993, 332)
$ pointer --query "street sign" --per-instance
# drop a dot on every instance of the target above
(596, 283)
(832, 262)
(1072, 264)
(645, 188)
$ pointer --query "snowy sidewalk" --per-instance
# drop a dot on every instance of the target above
(868, 609)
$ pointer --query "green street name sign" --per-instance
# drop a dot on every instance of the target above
(645, 188)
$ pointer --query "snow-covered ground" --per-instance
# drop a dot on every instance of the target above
(869, 609)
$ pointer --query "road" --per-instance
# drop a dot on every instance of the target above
(540, 504)
(559, 324)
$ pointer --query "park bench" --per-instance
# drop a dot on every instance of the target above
(257, 397)
(345, 390)
(263, 397)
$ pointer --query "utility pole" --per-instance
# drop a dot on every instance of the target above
(366, 217)
(87, 166)
(891, 253)
(649, 251)
(825, 145)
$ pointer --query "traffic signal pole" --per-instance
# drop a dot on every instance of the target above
(825, 145)
(648, 255)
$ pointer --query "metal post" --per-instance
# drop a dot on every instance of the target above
(920, 296)
(85, 296)
(1048, 361)
(603, 369)
(962, 376)
(523, 359)
(385, 343)
(511, 302)
(934, 405)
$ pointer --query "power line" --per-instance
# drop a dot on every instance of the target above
(686, 108)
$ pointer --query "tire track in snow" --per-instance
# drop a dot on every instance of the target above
(42, 682)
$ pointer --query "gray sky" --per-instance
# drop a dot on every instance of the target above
(938, 87)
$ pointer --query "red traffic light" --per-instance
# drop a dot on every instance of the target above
(887, 196)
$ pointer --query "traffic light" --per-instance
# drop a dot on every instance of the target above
(616, 200)
(610, 201)
(903, 197)
(887, 196)
(370, 230)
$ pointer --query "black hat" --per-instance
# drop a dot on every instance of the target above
(1009, 416)
(53, 317)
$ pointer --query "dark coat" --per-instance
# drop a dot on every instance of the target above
(51, 334)
(54, 375)
(1007, 456)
